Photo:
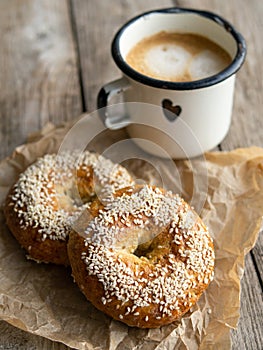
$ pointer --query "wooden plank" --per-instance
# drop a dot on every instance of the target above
(247, 121)
(38, 68)
(40, 107)
(39, 83)
(94, 40)
(257, 256)
(246, 130)
(249, 332)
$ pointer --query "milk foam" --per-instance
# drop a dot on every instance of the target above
(178, 57)
(168, 60)
(205, 64)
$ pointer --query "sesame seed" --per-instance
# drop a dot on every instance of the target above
(171, 276)
(41, 187)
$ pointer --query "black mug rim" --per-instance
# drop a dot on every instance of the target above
(234, 66)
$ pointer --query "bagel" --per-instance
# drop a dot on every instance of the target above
(51, 193)
(144, 259)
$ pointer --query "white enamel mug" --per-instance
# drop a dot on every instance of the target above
(184, 119)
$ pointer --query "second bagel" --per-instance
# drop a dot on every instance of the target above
(144, 259)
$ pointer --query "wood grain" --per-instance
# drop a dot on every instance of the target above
(94, 41)
(245, 131)
(38, 69)
(55, 55)
(257, 256)
(247, 121)
(39, 83)
(248, 335)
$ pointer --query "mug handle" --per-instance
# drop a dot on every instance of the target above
(113, 122)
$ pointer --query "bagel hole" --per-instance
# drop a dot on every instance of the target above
(88, 198)
(143, 250)
(70, 195)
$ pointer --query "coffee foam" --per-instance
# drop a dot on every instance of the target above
(205, 64)
(177, 57)
(167, 60)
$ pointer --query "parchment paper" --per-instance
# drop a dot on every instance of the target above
(43, 299)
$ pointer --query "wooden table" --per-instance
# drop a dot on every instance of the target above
(55, 55)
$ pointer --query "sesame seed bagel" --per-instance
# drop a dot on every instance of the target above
(51, 193)
(144, 259)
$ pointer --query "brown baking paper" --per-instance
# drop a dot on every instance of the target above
(42, 299)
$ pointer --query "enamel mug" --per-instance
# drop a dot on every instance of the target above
(180, 119)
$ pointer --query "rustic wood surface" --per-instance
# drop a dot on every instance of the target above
(55, 55)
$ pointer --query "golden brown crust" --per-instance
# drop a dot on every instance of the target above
(155, 283)
(44, 202)
(47, 251)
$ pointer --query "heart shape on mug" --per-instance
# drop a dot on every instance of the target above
(171, 111)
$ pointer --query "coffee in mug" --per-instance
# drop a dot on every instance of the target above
(177, 57)
(181, 115)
